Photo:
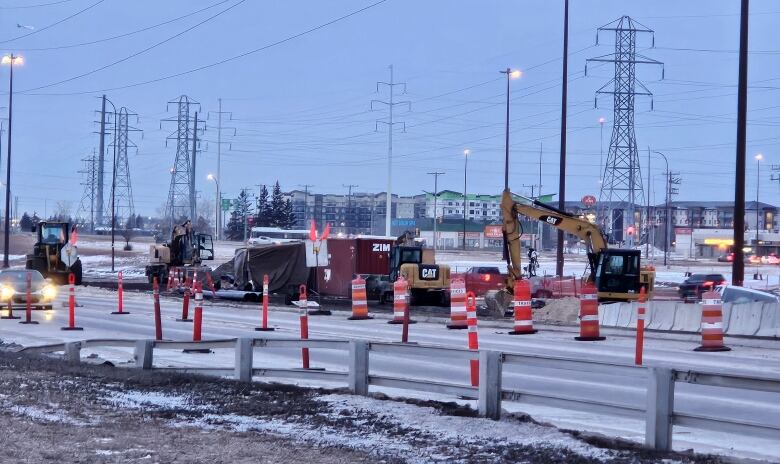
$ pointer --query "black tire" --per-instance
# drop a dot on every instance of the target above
(445, 298)
(77, 272)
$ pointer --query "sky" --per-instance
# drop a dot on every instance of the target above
(300, 104)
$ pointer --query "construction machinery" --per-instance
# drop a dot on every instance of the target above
(186, 249)
(617, 273)
(426, 280)
(55, 254)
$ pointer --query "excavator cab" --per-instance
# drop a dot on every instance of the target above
(617, 274)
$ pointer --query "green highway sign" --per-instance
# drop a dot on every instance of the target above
(227, 203)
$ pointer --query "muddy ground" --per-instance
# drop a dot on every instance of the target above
(56, 412)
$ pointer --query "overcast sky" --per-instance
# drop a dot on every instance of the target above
(301, 109)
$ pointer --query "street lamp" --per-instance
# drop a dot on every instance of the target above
(218, 205)
(12, 61)
(510, 74)
(113, 185)
(466, 154)
(759, 157)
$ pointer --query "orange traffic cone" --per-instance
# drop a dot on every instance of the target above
(359, 300)
(521, 301)
(712, 323)
(589, 314)
(457, 304)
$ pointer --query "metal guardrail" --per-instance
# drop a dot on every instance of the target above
(659, 414)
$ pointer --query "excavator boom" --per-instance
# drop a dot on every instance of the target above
(618, 270)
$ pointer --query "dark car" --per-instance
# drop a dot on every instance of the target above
(695, 285)
(13, 287)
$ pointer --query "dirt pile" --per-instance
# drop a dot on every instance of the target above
(562, 311)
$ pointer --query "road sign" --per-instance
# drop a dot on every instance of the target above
(589, 200)
(69, 254)
(227, 203)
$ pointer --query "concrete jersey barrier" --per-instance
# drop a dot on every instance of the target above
(747, 319)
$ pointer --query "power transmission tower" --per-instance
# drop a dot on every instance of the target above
(87, 203)
(622, 177)
(672, 179)
(219, 115)
(122, 192)
(391, 104)
(181, 192)
(100, 202)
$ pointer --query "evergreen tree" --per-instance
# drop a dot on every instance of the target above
(26, 222)
(240, 213)
(278, 213)
(262, 209)
(290, 219)
(139, 221)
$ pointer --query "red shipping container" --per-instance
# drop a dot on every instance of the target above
(351, 256)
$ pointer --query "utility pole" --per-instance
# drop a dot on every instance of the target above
(390, 123)
(7, 228)
(539, 224)
(738, 265)
(350, 217)
(305, 202)
(671, 180)
(193, 208)
(647, 208)
(435, 204)
(219, 114)
(562, 162)
(776, 177)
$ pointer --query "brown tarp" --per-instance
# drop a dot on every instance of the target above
(285, 265)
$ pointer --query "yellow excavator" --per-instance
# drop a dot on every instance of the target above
(617, 273)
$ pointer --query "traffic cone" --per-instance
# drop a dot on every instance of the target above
(521, 301)
(712, 323)
(471, 304)
(400, 302)
(457, 304)
(359, 300)
(589, 314)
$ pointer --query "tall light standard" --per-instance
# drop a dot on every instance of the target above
(667, 220)
(759, 157)
(218, 205)
(10, 60)
(466, 154)
(510, 74)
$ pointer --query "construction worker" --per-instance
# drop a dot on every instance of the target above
(533, 262)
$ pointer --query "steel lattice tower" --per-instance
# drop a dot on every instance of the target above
(621, 188)
(180, 199)
(123, 192)
(86, 211)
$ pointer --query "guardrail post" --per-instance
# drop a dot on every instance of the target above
(358, 367)
(660, 408)
(73, 352)
(490, 363)
(244, 359)
(144, 350)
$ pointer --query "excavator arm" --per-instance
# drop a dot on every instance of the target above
(512, 206)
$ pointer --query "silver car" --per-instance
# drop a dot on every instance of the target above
(13, 287)
(734, 294)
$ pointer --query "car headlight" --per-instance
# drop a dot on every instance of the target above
(49, 292)
(6, 292)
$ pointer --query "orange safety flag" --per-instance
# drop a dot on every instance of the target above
(326, 232)
(313, 231)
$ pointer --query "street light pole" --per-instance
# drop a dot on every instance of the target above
(510, 74)
(759, 157)
(218, 209)
(465, 197)
(6, 241)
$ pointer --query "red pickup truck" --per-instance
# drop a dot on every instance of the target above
(480, 280)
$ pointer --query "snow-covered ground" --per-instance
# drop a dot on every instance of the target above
(223, 320)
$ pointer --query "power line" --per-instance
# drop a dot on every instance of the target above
(53, 24)
(126, 34)
(22, 7)
(121, 60)
(220, 62)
